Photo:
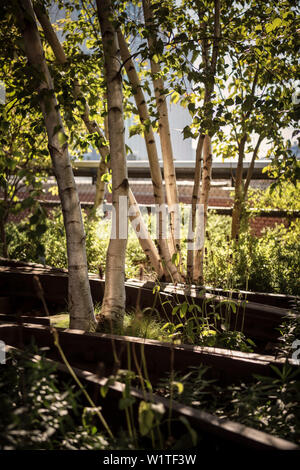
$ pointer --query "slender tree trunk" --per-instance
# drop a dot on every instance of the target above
(3, 238)
(238, 191)
(242, 189)
(80, 300)
(103, 149)
(91, 125)
(165, 140)
(195, 259)
(113, 306)
(251, 166)
(169, 268)
(239, 195)
(195, 201)
(146, 242)
(205, 188)
(135, 215)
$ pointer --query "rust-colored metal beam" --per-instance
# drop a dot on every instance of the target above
(214, 432)
(259, 321)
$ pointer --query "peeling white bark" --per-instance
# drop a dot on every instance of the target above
(170, 269)
(165, 141)
(79, 294)
(113, 307)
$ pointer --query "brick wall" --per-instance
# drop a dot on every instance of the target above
(258, 224)
(219, 197)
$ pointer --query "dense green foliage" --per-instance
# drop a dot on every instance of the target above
(40, 413)
(270, 263)
(54, 243)
(269, 404)
(285, 196)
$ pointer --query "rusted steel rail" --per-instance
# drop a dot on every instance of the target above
(91, 351)
(259, 321)
(271, 299)
(277, 300)
(214, 432)
(20, 319)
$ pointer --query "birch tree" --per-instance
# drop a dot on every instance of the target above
(103, 147)
(164, 133)
(91, 125)
(204, 152)
(113, 306)
(79, 294)
(170, 270)
(259, 105)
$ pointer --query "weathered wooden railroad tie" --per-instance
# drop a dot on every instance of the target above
(89, 351)
(93, 355)
(259, 321)
(92, 358)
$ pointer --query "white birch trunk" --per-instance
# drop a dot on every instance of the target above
(170, 269)
(195, 201)
(165, 140)
(205, 188)
(141, 230)
(79, 294)
(146, 244)
(113, 306)
(91, 125)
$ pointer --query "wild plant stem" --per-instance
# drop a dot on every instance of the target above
(98, 412)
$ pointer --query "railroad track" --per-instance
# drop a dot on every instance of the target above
(92, 358)
(258, 315)
(89, 350)
(96, 356)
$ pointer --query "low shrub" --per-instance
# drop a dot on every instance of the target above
(40, 413)
(270, 263)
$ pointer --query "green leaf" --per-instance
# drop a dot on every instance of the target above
(176, 259)
(40, 229)
(276, 23)
(192, 432)
(229, 102)
(125, 402)
(183, 309)
(175, 309)
(179, 386)
(34, 219)
(146, 417)
(62, 138)
(175, 97)
(265, 169)
(103, 390)
(156, 289)
(28, 202)
(135, 130)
